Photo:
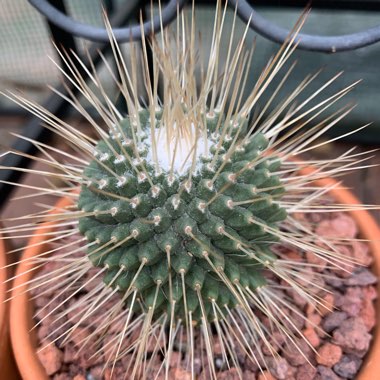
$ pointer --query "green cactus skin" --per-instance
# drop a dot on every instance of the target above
(169, 229)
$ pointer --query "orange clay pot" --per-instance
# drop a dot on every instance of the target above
(24, 342)
(8, 369)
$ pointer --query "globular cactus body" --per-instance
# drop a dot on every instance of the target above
(176, 224)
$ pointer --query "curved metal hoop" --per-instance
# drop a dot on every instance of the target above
(326, 44)
(97, 34)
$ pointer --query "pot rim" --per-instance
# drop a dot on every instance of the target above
(4, 306)
(7, 363)
(20, 308)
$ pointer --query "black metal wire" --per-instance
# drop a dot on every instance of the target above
(96, 34)
(341, 5)
(62, 39)
(325, 44)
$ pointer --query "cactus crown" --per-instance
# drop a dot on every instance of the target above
(179, 230)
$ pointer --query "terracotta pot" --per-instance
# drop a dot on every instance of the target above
(8, 368)
(21, 309)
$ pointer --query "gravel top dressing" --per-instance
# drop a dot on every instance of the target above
(337, 331)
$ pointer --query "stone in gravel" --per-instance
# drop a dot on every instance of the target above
(362, 277)
(73, 370)
(352, 301)
(370, 293)
(342, 226)
(175, 358)
(314, 259)
(312, 337)
(265, 375)
(360, 252)
(217, 349)
(205, 374)
(251, 365)
(87, 359)
(90, 274)
(345, 268)
(126, 360)
(80, 336)
(352, 336)
(333, 320)
(240, 353)
(51, 358)
(329, 354)
(293, 255)
(198, 365)
(41, 301)
(313, 320)
(298, 320)
(290, 375)
(348, 366)
(155, 373)
(62, 376)
(74, 316)
(325, 373)
(96, 373)
(368, 314)
(278, 367)
(334, 281)
(306, 372)
(79, 377)
(248, 375)
(69, 353)
(42, 332)
(181, 374)
(294, 356)
(328, 302)
(314, 218)
(51, 331)
(117, 373)
(276, 341)
(296, 297)
(232, 374)
(295, 322)
(220, 363)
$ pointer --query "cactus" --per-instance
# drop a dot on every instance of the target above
(184, 202)
(171, 227)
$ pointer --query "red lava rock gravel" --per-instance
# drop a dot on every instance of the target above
(348, 366)
(339, 333)
(329, 354)
(51, 358)
(352, 335)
